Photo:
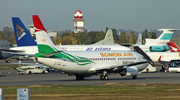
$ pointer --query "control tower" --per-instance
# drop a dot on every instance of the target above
(78, 22)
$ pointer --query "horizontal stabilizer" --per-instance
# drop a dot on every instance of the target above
(20, 54)
(11, 50)
(51, 54)
(169, 29)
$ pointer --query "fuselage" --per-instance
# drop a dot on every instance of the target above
(80, 62)
(165, 56)
(34, 49)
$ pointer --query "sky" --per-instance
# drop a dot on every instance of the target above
(58, 15)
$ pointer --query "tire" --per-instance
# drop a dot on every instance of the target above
(43, 72)
(105, 77)
(7, 61)
(30, 72)
(147, 70)
(101, 77)
(134, 77)
(48, 70)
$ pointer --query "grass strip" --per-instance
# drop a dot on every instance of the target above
(103, 91)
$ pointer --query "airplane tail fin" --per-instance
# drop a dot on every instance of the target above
(173, 47)
(167, 34)
(22, 34)
(109, 39)
(139, 40)
(163, 39)
(44, 43)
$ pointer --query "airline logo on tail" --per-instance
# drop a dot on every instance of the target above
(166, 36)
(20, 32)
(43, 38)
(173, 47)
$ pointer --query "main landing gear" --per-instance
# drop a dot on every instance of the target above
(134, 77)
(104, 76)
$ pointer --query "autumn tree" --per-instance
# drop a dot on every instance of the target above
(115, 36)
(8, 35)
(133, 38)
(122, 38)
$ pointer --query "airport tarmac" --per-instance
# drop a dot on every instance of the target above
(58, 78)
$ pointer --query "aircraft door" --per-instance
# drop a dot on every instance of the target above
(60, 64)
(64, 63)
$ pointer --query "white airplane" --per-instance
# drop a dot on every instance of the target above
(30, 47)
(159, 44)
(86, 63)
(163, 57)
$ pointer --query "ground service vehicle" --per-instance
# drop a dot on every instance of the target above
(31, 69)
(174, 66)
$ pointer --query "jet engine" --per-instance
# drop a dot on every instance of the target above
(158, 48)
(129, 71)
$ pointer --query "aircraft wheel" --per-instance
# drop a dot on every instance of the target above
(101, 77)
(43, 72)
(7, 61)
(134, 77)
(105, 77)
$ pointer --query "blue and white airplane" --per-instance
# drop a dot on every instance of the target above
(159, 44)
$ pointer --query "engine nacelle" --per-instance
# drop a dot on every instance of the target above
(159, 48)
(129, 71)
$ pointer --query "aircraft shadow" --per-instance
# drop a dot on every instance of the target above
(110, 79)
(2, 75)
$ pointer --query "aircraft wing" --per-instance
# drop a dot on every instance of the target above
(11, 50)
(20, 54)
(17, 52)
(34, 64)
(114, 68)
